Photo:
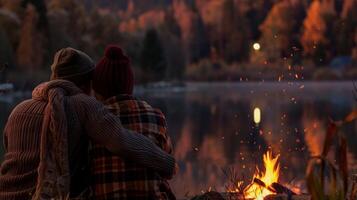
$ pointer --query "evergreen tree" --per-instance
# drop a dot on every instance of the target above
(192, 29)
(75, 17)
(234, 42)
(10, 24)
(280, 30)
(13, 6)
(41, 9)
(198, 45)
(256, 13)
(58, 31)
(171, 24)
(103, 30)
(30, 50)
(318, 26)
(354, 50)
(6, 50)
(173, 48)
(153, 60)
(9, 31)
(346, 28)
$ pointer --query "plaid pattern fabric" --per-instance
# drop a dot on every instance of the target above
(116, 179)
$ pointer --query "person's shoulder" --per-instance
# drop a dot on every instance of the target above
(24, 104)
(85, 101)
(148, 107)
(29, 106)
(83, 98)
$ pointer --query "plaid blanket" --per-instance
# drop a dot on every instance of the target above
(114, 178)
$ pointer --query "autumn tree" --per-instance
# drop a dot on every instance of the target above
(153, 60)
(10, 23)
(75, 17)
(30, 50)
(12, 5)
(59, 37)
(173, 48)
(9, 35)
(354, 50)
(346, 28)
(198, 45)
(280, 30)
(193, 30)
(41, 9)
(102, 30)
(6, 49)
(234, 42)
(318, 26)
(255, 12)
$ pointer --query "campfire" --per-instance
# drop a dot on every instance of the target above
(264, 183)
(325, 179)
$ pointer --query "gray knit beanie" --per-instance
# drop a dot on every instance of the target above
(69, 62)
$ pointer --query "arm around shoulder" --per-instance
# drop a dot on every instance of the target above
(106, 129)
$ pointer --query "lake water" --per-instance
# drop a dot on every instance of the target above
(212, 127)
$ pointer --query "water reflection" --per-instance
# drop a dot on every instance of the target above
(213, 128)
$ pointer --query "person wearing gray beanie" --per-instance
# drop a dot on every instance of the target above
(69, 62)
(73, 65)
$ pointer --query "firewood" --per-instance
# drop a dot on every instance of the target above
(259, 182)
(286, 197)
(275, 187)
(262, 184)
(280, 189)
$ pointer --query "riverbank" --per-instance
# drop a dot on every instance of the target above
(205, 71)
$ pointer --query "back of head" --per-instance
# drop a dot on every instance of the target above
(73, 65)
(113, 74)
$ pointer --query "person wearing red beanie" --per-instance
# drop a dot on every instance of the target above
(113, 74)
(114, 177)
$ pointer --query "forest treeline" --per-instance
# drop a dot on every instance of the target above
(168, 40)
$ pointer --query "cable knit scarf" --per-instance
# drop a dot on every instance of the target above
(53, 171)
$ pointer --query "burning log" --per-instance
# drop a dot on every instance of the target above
(265, 185)
(280, 189)
(275, 187)
(262, 184)
(286, 197)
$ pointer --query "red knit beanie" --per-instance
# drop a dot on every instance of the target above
(113, 74)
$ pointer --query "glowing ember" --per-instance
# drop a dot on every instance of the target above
(269, 176)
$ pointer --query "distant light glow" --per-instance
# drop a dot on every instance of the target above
(256, 46)
(257, 115)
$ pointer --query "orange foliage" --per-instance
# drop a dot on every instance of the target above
(149, 19)
(314, 28)
(210, 11)
(30, 50)
(315, 25)
(277, 29)
(183, 15)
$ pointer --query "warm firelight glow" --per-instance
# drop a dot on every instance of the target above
(257, 115)
(269, 176)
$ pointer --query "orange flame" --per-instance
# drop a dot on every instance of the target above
(269, 176)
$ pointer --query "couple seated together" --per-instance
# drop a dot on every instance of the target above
(65, 144)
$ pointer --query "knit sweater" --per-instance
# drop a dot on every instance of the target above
(87, 119)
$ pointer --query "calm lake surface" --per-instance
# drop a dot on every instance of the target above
(212, 127)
